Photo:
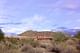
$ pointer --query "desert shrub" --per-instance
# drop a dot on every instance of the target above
(59, 37)
(1, 35)
(71, 42)
(9, 44)
(77, 35)
(50, 47)
(31, 42)
(35, 44)
(70, 49)
(66, 48)
(55, 50)
(78, 46)
(40, 50)
(45, 45)
(27, 49)
(6, 49)
(13, 40)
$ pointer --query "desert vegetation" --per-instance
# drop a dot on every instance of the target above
(60, 43)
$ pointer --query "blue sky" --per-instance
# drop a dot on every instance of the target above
(17, 16)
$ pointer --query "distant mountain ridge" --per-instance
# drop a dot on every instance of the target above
(69, 31)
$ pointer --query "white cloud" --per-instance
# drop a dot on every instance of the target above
(27, 24)
(10, 29)
(33, 19)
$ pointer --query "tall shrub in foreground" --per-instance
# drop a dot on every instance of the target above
(1, 35)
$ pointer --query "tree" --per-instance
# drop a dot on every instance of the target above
(1, 35)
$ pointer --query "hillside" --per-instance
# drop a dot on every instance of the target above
(35, 33)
